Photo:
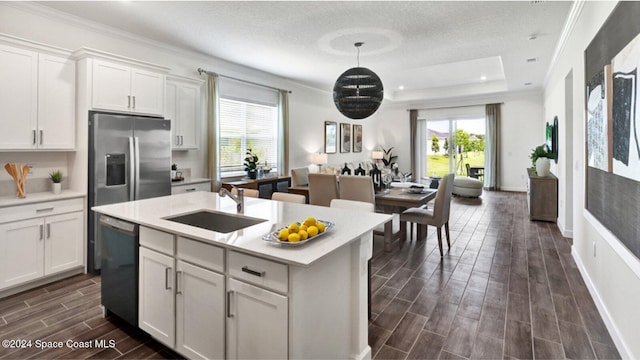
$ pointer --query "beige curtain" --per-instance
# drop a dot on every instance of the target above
(283, 136)
(492, 148)
(413, 133)
(212, 130)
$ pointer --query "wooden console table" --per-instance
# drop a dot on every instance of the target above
(265, 185)
(542, 196)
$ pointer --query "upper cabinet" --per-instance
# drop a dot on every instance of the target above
(125, 88)
(183, 107)
(37, 98)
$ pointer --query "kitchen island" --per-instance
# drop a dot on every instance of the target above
(234, 295)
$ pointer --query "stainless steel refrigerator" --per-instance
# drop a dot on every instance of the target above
(129, 159)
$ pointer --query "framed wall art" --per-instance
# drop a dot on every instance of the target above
(345, 137)
(330, 137)
(357, 138)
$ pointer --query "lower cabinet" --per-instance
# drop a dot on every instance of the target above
(257, 322)
(33, 248)
(156, 314)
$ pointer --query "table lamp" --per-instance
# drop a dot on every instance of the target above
(377, 156)
(319, 159)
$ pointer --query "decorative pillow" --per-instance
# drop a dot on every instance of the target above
(300, 176)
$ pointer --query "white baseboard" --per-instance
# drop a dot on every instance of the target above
(513, 188)
(602, 309)
(568, 233)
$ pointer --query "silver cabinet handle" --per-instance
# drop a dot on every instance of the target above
(167, 274)
(181, 140)
(178, 283)
(45, 209)
(33, 132)
(177, 140)
(134, 101)
(129, 101)
(229, 293)
(41, 232)
(41, 136)
(253, 272)
(48, 231)
(190, 189)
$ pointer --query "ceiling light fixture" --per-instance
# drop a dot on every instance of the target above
(483, 78)
(401, 87)
(358, 92)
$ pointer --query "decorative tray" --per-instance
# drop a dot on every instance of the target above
(177, 179)
(272, 237)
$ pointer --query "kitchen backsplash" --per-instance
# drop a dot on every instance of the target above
(34, 185)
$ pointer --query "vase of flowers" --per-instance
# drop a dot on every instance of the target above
(251, 164)
(540, 159)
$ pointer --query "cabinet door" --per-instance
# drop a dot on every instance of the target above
(63, 242)
(147, 90)
(257, 323)
(181, 189)
(199, 312)
(156, 299)
(170, 112)
(18, 98)
(188, 114)
(56, 102)
(111, 86)
(21, 251)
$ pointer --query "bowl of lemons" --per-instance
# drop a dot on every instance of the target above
(298, 233)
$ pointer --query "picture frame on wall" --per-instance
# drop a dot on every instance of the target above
(330, 137)
(357, 138)
(345, 137)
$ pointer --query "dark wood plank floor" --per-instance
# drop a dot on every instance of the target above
(508, 288)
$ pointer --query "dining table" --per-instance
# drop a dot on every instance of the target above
(398, 198)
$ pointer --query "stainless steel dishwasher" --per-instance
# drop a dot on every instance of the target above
(119, 268)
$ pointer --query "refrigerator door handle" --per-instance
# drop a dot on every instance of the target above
(132, 169)
(136, 145)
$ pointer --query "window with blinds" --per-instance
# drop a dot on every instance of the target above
(246, 125)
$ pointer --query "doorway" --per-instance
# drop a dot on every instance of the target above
(455, 146)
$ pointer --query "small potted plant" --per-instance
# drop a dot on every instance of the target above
(174, 171)
(540, 159)
(56, 178)
(251, 164)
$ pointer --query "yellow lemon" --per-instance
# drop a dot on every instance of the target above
(302, 227)
(294, 237)
(312, 231)
(303, 235)
(320, 226)
(293, 228)
(309, 221)
(283, 235)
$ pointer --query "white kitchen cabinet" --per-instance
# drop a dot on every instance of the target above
(199, 312)
(183, 108)
(257, 323)
(186, 188)
(41, 239)
(37, 98)
(156, 314)
(56, 103)
(124, 88)
(21, 252)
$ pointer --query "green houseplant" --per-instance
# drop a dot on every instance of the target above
(251, 164)
(56, 179)
(540, 159)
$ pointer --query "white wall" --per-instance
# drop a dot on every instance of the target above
(611, 272)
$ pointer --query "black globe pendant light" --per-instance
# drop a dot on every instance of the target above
(358, 91)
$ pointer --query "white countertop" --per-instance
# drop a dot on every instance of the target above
(33, 198)
(349, 224)
(190, 181)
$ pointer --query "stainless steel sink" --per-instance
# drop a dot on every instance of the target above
(215, 221)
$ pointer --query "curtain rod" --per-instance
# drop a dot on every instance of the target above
(203, 71)
(453, 107)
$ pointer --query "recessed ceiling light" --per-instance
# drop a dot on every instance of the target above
(401, 87)
(527, 83)
(530, 60)
(483, 78)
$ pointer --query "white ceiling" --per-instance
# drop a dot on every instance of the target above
(435, 49)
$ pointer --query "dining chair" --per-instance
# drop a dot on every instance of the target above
(358, 188)
(322, 189)
(247, 192)
(438, 216)
(292, 198)
(300, 176)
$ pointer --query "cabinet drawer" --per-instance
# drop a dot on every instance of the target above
(157, 240)
(198, 253)
(181, 189)
(20, 212)
(266, 273)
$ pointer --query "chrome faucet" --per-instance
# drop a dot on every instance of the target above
(238, 199)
